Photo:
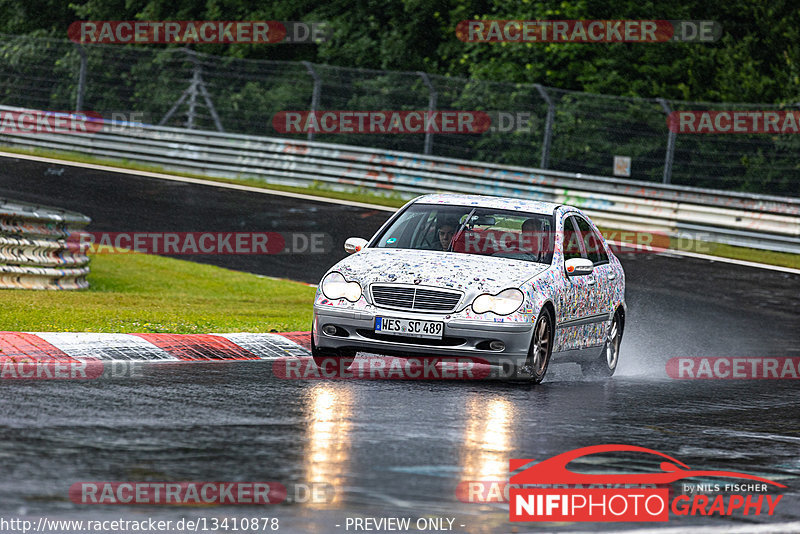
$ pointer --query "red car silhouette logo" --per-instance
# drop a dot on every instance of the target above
(554, 470)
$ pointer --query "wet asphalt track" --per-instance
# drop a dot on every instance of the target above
(392, 448)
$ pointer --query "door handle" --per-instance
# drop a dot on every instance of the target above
(591, 281)
(612, 276)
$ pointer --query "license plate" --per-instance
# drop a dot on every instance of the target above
(409, 327)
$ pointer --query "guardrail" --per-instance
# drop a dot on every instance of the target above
(758, 221)
(35, 249)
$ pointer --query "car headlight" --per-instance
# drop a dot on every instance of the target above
(335, 287)
(506, 302)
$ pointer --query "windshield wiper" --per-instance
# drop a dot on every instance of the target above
(460, 229)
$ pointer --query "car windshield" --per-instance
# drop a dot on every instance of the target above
(470, 230)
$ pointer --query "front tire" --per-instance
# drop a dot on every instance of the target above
(341, 358)
(541, 347)
(606, 363)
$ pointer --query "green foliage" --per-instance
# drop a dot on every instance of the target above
(757, 59)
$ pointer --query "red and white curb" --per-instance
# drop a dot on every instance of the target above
(77, 355)
(68, 346)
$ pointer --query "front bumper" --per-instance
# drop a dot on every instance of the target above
(462, 338)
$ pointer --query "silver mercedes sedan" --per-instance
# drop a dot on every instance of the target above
(511, 282)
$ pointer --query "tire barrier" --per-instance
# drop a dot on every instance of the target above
(742, 219)
(35, 250)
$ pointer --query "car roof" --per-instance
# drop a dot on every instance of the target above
(485, 201)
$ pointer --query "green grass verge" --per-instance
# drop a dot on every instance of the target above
(370, 197)
(770, 257)
(145, 293)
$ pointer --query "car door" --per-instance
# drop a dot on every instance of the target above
(577, 307)
(603, 287)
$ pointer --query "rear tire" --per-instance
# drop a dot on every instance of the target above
(541, 348)
(606, 362)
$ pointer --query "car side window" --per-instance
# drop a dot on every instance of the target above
(593, 244)
(572, 240)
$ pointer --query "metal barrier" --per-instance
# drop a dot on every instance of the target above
(35, 249)
(758, 221)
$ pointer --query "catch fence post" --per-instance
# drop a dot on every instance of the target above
(432, 97)
(548, 126)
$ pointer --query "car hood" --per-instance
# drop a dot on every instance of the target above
(465, 272)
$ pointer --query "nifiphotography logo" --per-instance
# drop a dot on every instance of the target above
(548, 491)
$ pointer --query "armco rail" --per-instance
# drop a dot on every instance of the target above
(35, 252)
(759, 221)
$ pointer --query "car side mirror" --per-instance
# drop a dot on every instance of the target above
(578, 267)
(354, 244)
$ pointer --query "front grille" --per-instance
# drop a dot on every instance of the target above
(415, 298)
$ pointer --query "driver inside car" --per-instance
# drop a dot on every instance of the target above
(532, 237)
(444, 234)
